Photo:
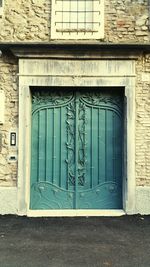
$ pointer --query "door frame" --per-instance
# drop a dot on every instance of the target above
(75, 73)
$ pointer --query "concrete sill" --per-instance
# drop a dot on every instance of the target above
(75, 213)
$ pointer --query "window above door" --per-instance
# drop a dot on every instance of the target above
(77, 19)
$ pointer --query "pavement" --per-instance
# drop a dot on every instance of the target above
(75, 242)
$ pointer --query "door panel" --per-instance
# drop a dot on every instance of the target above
(76, 150)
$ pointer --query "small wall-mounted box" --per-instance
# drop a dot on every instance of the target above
(12, 158)
(13, 139)
(2, 106)
(13, 142)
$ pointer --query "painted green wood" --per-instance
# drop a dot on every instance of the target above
(76, 155)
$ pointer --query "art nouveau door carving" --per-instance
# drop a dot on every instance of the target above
(76, 154)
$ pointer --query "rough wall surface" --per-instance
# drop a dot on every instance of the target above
(8, 83)
(25, 20)
(143, 121)
(125, 21)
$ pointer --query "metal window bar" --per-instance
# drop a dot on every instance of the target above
(77, 16)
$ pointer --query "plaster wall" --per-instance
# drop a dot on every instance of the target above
(8, 200)
(143, 200)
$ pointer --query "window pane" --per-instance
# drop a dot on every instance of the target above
(77, 16)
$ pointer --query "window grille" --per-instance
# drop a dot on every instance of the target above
(77, 19)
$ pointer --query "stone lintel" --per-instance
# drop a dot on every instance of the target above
(75, 50)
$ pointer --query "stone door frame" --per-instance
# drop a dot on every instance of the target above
(87, 73)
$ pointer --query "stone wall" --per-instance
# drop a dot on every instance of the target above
(143, 121)
(125, 21)
(8, 83)
(25, 20)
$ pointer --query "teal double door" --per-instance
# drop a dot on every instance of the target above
(76, 153)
